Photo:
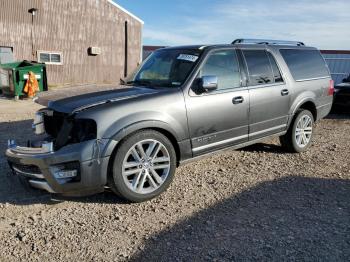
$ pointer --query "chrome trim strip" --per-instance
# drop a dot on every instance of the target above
(310, 79)
(270, 120)
(218, 151)
(219, 143)
(41, 185)
(267, 130)
(328, 104)
(18, 150)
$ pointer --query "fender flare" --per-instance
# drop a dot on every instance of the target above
(148, 124)
(296, 107)
(134, 127)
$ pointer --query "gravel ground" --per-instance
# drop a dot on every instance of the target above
(258, 203)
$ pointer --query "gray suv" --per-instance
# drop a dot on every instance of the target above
(180, 104)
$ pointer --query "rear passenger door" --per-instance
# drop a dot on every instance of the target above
(269, 94)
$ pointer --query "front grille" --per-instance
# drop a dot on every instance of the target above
(30, 171)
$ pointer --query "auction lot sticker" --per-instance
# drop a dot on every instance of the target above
(191, 58)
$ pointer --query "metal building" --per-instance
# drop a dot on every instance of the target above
(338, 62)
(81, 41)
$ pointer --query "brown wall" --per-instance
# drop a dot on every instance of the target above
(71, 27)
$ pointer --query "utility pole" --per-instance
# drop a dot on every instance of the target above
(33, 12)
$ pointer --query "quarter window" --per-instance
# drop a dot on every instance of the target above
(54, 58)
(224, 65)
(259, 68)
(305, 64)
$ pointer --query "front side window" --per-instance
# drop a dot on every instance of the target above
(224, 65)
(259, 68)
(166, 68)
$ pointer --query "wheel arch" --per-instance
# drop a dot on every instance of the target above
(307, 104)
(142, 126)
(310, 106)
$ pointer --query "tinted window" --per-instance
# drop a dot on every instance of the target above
(224, 65)
(305, 64)
(166, 68)
(276, 71)
(259, 67)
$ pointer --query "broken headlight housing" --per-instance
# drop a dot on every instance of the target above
(63, 128)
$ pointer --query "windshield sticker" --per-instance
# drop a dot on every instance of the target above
(191, 58)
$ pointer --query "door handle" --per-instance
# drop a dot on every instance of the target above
(238, 100)
(285, 92)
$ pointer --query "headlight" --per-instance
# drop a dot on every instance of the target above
(39, 121)
(38, 124)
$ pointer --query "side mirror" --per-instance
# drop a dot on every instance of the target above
(208, 83)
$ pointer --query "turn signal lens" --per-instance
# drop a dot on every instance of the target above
(331, 88)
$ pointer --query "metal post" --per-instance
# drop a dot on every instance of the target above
(126, 50)
(33, 12)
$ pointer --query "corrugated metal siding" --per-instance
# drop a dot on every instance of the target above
(339, 65)
(71, 27)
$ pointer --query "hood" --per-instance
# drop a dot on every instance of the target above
(72, 100)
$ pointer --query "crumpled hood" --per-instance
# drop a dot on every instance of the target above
(80, 98)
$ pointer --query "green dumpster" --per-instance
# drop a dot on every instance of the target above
(18, 73)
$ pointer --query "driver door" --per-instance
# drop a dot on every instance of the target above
(219, 119)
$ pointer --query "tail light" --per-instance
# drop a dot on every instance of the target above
(331, 88)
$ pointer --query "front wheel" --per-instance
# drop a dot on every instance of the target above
(299, 136)
(144, 166)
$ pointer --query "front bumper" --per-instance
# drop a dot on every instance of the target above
(39, 167)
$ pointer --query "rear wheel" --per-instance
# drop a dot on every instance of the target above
(144, 166)
(299, 136)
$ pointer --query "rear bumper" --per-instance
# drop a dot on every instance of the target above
(39, 168)
(323, 111)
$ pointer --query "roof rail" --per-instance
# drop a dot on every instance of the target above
(267, 42)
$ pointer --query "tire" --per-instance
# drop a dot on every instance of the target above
(143, 167)
(293, 142)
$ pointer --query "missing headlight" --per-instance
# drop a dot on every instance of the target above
(75, 131)
(83, 130)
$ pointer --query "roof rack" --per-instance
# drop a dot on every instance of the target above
(267, 42)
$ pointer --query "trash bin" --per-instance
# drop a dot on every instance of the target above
(17, 75)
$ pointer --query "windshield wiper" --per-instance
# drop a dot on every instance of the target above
(139, 82)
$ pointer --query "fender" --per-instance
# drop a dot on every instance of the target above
(184, 145)
(131, 128)
(307, 97)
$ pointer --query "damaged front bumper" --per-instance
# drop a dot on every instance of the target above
(74, 170)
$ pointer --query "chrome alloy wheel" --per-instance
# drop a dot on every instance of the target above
(303, 131)
(146, 166)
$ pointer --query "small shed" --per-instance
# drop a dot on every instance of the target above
(81, 41)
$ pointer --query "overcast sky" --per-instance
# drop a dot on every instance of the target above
(320, 23)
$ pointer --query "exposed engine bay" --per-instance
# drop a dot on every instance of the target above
(63, 129)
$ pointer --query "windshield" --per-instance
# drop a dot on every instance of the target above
(165, 68)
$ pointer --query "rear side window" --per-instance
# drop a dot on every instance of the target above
(305, 64)
(259, 68)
